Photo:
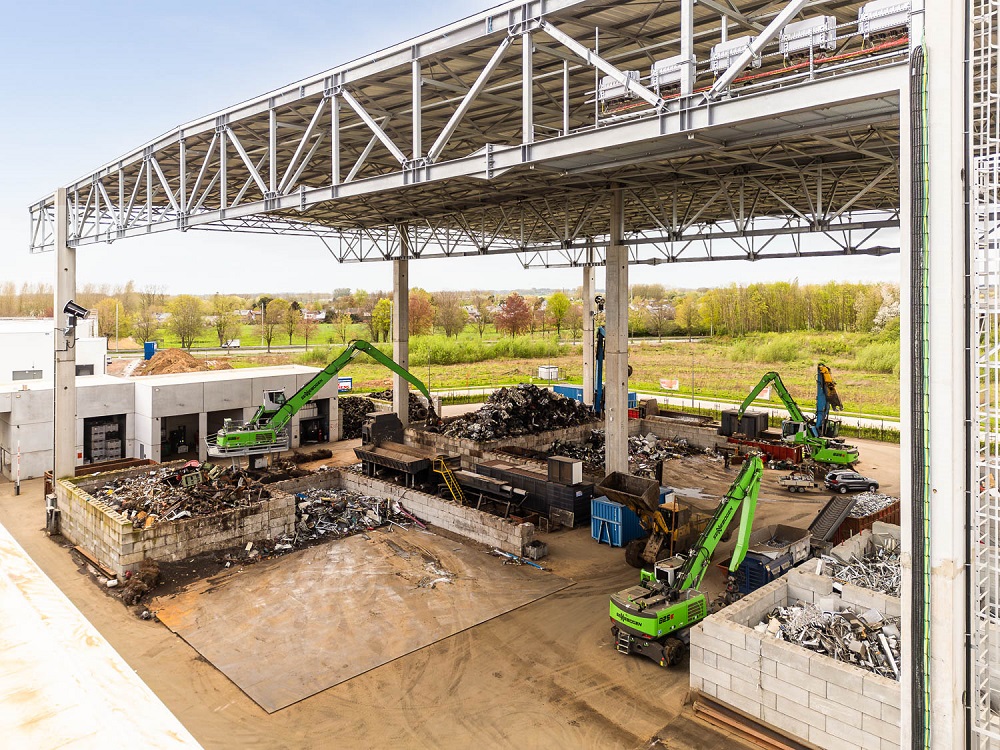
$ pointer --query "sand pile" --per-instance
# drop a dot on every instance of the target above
(170, 361)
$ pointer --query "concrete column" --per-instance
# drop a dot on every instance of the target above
(616, 351)
(401, 326)
(64, 418)
(947, 244)
(202, 434)
(588, 335)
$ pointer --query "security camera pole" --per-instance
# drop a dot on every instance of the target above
(64, 340)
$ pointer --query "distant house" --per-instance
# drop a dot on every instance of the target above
(250, 316)
(471, 311)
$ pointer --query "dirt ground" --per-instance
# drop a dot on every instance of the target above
(542, 676)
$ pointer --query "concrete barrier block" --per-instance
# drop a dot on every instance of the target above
(747, 688)
(882, 689)
(788, 654)
(836, 672)
(890, 714)
(844, 731)
(786, 723)
(829, 741)
(726, 631)
(801, 678)
(844, 714)
(794, 693)
(748, 706)
(882, 729)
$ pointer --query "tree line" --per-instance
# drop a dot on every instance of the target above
(654, 310)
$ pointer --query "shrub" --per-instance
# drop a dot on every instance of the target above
(882, 358)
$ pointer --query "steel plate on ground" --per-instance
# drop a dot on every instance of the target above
(290, 627)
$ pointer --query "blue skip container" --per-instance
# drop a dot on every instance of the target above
(612, 523)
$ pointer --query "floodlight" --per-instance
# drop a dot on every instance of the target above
(77, 311)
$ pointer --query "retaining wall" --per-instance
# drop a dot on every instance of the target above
(470, 448)
(808, 696)
(467, 522)
(666, 428)
(120, 546)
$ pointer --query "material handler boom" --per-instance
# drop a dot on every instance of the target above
(652, 618)
(265, 432)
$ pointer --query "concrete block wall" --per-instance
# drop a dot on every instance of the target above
(469, 448)
(118, 545)
(470, 523)
(666, 428)
(805, 695)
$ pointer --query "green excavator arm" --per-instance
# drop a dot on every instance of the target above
(280, 418)
(786, 398)
(742, 495)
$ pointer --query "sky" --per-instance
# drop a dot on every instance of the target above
(83, 82)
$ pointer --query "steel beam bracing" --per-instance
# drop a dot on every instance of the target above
(780, 154)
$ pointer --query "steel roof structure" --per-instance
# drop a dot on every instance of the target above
(503, 132)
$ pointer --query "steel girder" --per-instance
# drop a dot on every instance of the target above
(790, 151)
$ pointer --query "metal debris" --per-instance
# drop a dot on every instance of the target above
(355, 409)
(171, 493)
(870, 503)
(878, 569)
(418, 409)
(644, 451)
(521, 410)
(869, 640)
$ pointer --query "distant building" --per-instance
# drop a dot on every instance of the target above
(26, 348)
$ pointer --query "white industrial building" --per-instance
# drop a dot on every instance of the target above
(26, 347)
(160, 417)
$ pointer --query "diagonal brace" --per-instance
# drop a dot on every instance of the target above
(592, 58)
(373, 126)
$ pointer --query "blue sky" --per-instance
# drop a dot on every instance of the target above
(82, 82)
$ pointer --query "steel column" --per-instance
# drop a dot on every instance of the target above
(527, 89)
(418, 135)
(616, 343)
(687, 47)
(588, 335)
(401, 326)
(64, 411)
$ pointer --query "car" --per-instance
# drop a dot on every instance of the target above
(844, 481)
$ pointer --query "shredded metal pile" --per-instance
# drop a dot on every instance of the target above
(869, 503)
(869, 640)
(877, 570)
(418, 410)
(171, 493)
(519, 410)
(644, 452)
(355, 409)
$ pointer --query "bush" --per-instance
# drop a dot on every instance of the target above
(464, 349)
(773, 349)
(882, 358)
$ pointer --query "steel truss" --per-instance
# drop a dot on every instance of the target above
(984, 485)
(795, 159)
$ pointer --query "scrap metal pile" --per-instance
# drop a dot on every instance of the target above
(338, 513)
(869, 640)
(878, 569)
(520, 410)
(869, 503)
(644, 452)
(355, 409)
(175, 492)
(418, 410)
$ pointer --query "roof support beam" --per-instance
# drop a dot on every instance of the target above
(254, 174)
(373, 126)
(726, 12)
(773, 29)
(449, 129)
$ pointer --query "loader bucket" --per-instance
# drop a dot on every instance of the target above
(631, 491)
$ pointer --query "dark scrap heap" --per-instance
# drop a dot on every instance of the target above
(520, 410)
(174, 492)
(355, 409)
(418, 411)
(644, 452)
